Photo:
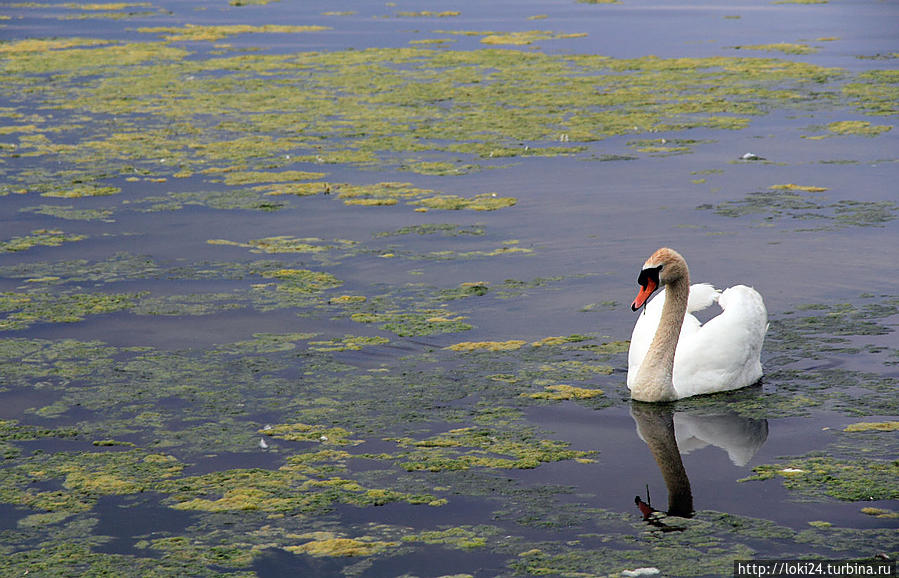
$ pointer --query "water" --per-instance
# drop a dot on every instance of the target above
(153, 336)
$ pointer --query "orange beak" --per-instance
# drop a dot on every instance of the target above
(643, 295)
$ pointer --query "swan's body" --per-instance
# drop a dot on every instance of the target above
(672, 355)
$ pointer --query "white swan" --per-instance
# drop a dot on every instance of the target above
(672, 355)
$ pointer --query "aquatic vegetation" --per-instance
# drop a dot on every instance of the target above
(562, 391)
(25, 309)
(785, 47)
(347, 343)
(789, 201)
(880, 513)
(473, 447)
(421, 322)
(428, 14)
(70, 213)
(332, 546)
(872, 426)
(193, 32)
(525, 37)
(39, 238)
(483, 202)
(287, 244)
(858, 127)
(467, 346)
(861, 479)
(803, 188)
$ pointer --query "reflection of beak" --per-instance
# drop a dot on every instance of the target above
(643, 295)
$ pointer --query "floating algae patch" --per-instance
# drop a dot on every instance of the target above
(705, 544)
(483, 202)
(39, 238)
(799, 203)
(288, 244)
(858, 127)
(492, 102)
(874, 92)
(562, 391)
(428, 14)
(45, 44)
(390, 193)
(24, 309)
(467, 346)
(284, 490)
(445, 229)
(194, 33)
(850, 480)
(785, 47)
(336, 546)
(415, 323)
(458, 537)
(872, 426)
(525, 37)
(348, 343)
(70, 213)
(477, 447)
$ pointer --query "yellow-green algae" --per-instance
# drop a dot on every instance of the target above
(474, 447)
(858, 127)
(872, 426)
(492, 99)
(562, 391)
(785, 47)
(193, 32)
(330, 545)
(855, 480)
(39, 238)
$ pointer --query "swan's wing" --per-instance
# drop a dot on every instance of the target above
(723, 354)
(701, 296)
(740, 437)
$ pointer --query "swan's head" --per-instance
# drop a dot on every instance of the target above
(663, 267)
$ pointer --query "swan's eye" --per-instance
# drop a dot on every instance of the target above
(650, 274)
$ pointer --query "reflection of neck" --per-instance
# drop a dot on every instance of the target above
(656, 427)
(654, 378)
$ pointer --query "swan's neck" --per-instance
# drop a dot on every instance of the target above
(656, 427)
(654, 378)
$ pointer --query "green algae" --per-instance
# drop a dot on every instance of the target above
(518, 92)
(857, 127)
(524, 37)
(347, 343)
(473, 447)
(416, 323)
(458, 537)
(39, 238)
(287, 244)
(70, 213)
(24, 309)
(562, 391)
(334, 546)
(193, 32)
(783, 203)
(814, 477)
(785, 47)
(872, 426)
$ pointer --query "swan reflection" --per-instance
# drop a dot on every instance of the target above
(670, 434)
